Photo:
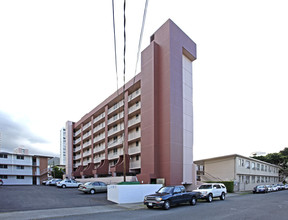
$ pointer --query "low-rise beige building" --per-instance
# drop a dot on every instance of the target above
(246, 172)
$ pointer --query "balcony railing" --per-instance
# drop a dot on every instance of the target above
(114, 143)
(98, 159)
(87, 153)
(87, 125)
(77, 149)
(134, 150)
(114, 130)
(87, 135)
(87, 144)
(135, 107)
(113, 155)
(116, 117)
(102, 115)
(134, 94)
(85, 163)
(98, 127)
(78, 156)
(99, 137)
(116, 106)
(77, 132)
(134, 120)
(77, 140)
(99, 148)
(134, 135)
(135, 164)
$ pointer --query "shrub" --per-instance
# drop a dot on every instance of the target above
(229, 185)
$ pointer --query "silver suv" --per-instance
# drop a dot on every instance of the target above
(212, 190)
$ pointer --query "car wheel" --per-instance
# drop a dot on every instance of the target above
(63, 186)
(193, 201)
(166, 205)
(149, 207)
(1, 183)
(210, 198)
(222, 197)
(92, 191)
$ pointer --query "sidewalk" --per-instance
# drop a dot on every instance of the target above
(64, 212)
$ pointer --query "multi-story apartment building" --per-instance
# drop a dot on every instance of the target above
(23, 169)
(148, 128)
(63, 146)
(246, 172)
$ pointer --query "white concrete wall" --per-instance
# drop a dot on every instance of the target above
(12, 180)
(130, 193)
(187, 121)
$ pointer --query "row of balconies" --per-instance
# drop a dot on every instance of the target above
(99, 127)
(102, 115)
(116, 106)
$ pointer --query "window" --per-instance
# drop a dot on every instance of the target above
(266, 168)
(95, 184)
(137, 129)
(115, 151)
(3, 166)
(247, 164)
(258, 179)
(20, 167)
(137, 143)
(3, 156)
(20, 177)
(258, 166)
(242, 162)
(217, 186)
(137, 157)
(137, 116)
(247, 179)
(20, 157)
(177, 190)
(137, 104)
(3, 177)
(114, 139)
(252, 179)
(253, 166)
(262, 167)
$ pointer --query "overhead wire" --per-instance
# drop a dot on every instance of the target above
(115, 47)
(140, 38)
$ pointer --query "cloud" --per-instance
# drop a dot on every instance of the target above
(17, 133)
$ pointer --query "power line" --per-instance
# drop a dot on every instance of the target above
(115, 48)
(140, 39)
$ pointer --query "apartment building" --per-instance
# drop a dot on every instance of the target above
(146, 130)
(246, 172)
(23, 169)
(63, 146)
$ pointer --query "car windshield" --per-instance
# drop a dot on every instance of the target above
(205, 187)
(88, 183)
(165, 190)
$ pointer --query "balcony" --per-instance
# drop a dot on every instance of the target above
(87, 126)
(99, 137)
(76, 165)
(134, 135)
(99, 117)
(99, 148)
(135, 107)
(115, 130)
(114, 143)
(98, 159)
(115, 118)
(77, 133)
(113, 156)
(77, 157)
(87, 153)
(134, 120)
(86, 144)
(85, 163)
(99, 127)
(134, 150)
(86, 135)
(134, 95)
(116, 106)
(77, 140)
(135, 164)
(77, 149)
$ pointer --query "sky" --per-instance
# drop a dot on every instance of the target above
(57, 64)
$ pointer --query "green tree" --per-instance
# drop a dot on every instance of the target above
(57, 172)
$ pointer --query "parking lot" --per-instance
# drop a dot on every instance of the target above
(23, 198)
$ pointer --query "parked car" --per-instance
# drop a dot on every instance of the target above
(286, 186)
(52, 182)
(280, 186)
(212, 190)
(68, 183)
(260, 189)
(269, 188)
(1, 182)
(274, 188)
(170, 195)
(93, 187)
